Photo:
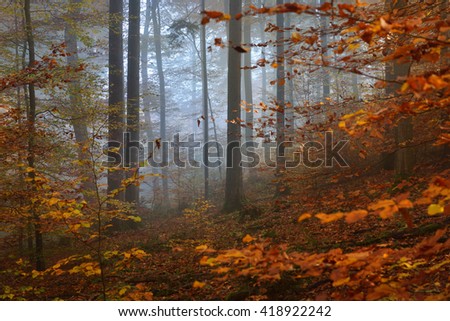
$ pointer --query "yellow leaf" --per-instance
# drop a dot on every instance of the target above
(136, 219)
(35, 274)
(198, 285)
(53, 201)
(435, 209)
(86, 224)
(248, 239)
(201, 248)
(124, 290)
(342, 125)
(341, 282)
(304, 217)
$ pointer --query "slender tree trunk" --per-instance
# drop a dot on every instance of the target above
(144, 73)
(116, 91)
(404, 159)
(262, 34)
(133, 99)
(31, 118)
(162, 97)
(280, 126)
(324, 40)
(290, 88)
(76, 110)
(205, 104)
(248, 86)
(233, 184)
(146, 94)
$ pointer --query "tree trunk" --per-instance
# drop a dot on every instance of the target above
(262, 33)
(76, 110)
(116, 91)
(324, 40)
(396, 71)
(132, 154)
(162, 98)
(281, 187)
(146, 94)
(31, 118)
(233, 184)
(205, 105)
(248, 86)
(290, 130)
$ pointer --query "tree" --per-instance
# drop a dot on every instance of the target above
(280, 104)
(162, 98)
(205, 101)
(31, 119)
(233, 185)
(324, 44)
(248, 86)
(76, 110)
(397, 70)
(116, 91)
(132, 153)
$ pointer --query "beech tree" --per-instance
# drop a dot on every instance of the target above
(116, 92)
(234, 185)
(133, 99)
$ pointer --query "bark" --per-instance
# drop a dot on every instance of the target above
(77, 113)
(205, 105)
(116, 89)
(290, 89)
(132, 154)
(324, 40)
(281, 187)
(262, 33)
(162, 96)
(31, 157)
(248, 86)
(396, 71)
(146, 94)
(233, 184)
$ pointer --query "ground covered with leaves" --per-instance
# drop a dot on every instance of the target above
(313, 244)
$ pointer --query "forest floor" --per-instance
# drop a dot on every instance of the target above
(173, 263)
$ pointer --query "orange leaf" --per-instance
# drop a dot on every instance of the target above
(304, 217)
(248, 239)
(198, 285)
(328, 218)
(355, 216)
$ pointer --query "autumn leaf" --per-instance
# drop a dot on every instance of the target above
(435, 209)
(136, 219)
(198, 285)
(355, 216)
(328, 218)
(201, 248)
(296, 37)
(248, 239)
(52, 201)
(241, 49)
(304, 217)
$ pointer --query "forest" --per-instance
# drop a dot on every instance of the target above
(224, 150)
